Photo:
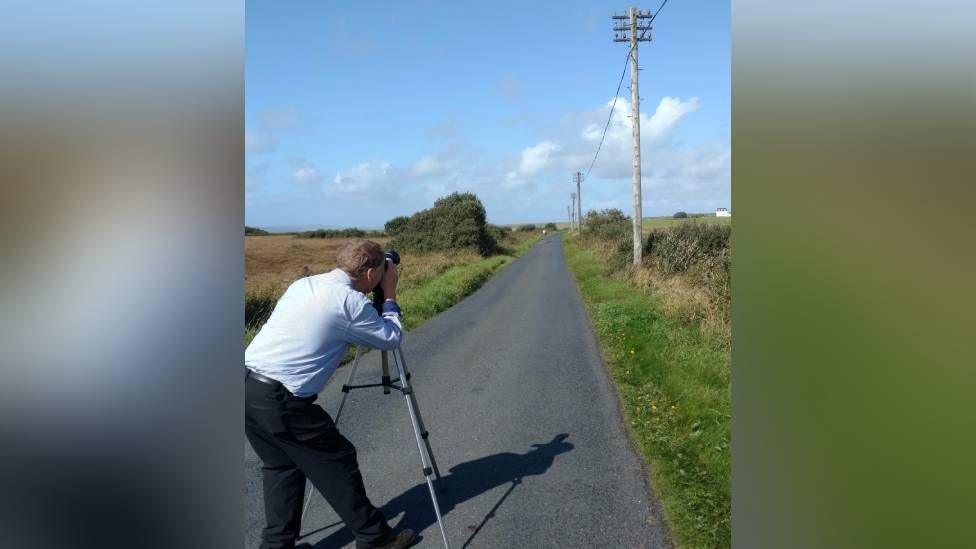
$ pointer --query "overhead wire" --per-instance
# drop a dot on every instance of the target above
(617, 93)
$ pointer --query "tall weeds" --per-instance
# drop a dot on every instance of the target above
(687, 265)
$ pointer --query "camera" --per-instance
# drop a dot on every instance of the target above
(378, 296)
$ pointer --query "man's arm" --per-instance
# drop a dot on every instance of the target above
(369, 329)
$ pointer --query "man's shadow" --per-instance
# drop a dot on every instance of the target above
(465, 481)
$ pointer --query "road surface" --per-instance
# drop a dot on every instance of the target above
(523, 422)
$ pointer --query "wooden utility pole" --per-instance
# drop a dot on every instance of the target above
(569, 215)
(628, 32)
(579, 204)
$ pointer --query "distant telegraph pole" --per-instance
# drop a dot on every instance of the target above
(579, 203)
(636, 21)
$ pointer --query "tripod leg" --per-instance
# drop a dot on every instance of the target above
(425, 458)
(345, 393)
(345, 390)
(385, 377)
(424, 434)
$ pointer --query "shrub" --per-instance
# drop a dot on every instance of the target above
(496, 232)
(616, 230)
(550, 227)
(258, 304)
(456, 222)
(681, 215)
(701, 250)
(395, 225)
(527, 228)
(679, 247)
(610, 224)
(254, 231)
(334, 233)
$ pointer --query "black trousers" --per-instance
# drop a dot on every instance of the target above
(296, 439)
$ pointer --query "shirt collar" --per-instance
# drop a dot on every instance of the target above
(341, 277)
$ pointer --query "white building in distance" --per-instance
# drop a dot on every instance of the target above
(722, 212)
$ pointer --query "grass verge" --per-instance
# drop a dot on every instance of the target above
(673, 384)
(438, 293)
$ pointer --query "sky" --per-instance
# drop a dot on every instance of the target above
(358, 112)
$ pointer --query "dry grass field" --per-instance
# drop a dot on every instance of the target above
(273, 262)
(279, 260)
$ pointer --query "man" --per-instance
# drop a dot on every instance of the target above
(288, 363)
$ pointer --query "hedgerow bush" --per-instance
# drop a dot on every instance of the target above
(338, 233)
(701, 250)
(610, 224)
(254, 231)
(496, 232)
(456, 222)
(678, 248)
(527, 228)
(395, 225)
(550, 226)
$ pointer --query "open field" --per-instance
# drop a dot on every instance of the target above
(649, 223)
(282, 259)
(428, 283)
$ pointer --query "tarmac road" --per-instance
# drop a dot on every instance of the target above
(523, 421)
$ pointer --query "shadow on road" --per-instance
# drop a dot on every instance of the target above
(465, 481)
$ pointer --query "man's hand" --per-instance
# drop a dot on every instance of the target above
(389, 282)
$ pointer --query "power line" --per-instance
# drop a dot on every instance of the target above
(610, 117)
(653, 17)
(617, 93)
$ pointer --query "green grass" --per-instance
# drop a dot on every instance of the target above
(674, 388)
(657, 222)
(441, 292)
(438, 293)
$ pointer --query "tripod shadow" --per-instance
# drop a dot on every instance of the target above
(465, 481)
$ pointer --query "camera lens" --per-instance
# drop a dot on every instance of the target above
(393, 256)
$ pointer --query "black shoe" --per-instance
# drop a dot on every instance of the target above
(404, 539)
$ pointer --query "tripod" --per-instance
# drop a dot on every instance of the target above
(402, 384)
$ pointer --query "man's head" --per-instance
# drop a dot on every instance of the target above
(363, 261)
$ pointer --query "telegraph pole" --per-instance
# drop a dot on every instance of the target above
(579, 203)
(628, 32)
(569, 215)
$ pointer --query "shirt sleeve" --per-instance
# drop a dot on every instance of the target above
(369, 329)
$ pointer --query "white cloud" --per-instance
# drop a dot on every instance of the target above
(655, 128)
(364, 181)
(676, 175)
(306, 173)
(669, 111)
(535, 159)
(428, 167)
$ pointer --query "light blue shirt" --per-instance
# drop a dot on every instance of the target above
(311, 327)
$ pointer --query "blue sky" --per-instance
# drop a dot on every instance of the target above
(357, 112)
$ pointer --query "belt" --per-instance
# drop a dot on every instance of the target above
(261, 378)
